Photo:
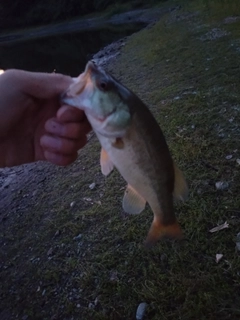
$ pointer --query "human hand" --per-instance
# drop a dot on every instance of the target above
(33, 125)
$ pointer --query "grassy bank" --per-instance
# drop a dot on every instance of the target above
(71, 253)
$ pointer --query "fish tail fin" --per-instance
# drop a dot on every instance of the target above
(159, 230)
(180, 185)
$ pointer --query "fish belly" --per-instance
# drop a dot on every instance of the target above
(132, 164)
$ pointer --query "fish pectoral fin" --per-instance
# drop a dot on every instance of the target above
(118, 143)
(105, 162)
(160, 231)
(133, 202)
(180, 185)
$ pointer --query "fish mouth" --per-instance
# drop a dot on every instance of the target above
(79, 83)
(78, 92)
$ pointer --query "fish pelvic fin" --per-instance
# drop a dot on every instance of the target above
(133, 202)
(161, 231)
(105, 162)
(180, 185)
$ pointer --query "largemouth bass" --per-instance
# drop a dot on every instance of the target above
(133, 142)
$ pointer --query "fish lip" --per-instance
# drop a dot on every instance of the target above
(67, 93)
(91, 66)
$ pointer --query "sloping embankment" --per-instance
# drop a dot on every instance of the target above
(69, 252)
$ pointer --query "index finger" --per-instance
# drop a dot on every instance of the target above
(37, 84)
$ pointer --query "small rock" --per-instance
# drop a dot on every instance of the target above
(238, 242)
(43, 293)
(78, 237)
(57, 233)
(34, 193)
(91, 305)
(96, 301)
(114, 276)
(50, 251)
(78, 305)
(218, 257)
(141, 310)
(72, 204)
(87, 199)
(92, 185)
(229, 157)
(238, 161)
(221, 185)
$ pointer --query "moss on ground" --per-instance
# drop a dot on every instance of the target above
(87, 261)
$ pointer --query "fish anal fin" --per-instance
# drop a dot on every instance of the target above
(105, 162)
(133, 202)
(180, 185)
(161, 231)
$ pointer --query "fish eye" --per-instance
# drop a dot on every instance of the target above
(103, 85)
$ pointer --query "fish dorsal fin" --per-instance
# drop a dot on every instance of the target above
(180, 185)
(105, 162)
(133, 202)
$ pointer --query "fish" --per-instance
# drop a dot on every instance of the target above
(133, 143)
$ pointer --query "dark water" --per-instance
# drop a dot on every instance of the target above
(66, 53)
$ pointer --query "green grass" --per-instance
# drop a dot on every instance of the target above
(120, 7)
(192, 87)
(216, 9)
(117, 8)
